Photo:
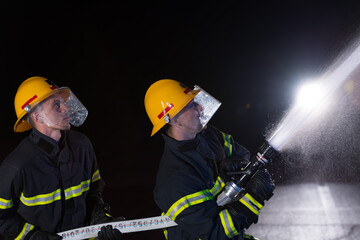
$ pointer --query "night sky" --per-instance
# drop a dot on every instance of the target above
(250, 55)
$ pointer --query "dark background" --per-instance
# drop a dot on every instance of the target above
(251, 55)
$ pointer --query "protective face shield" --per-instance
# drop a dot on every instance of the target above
(77, 111)
(208, 103)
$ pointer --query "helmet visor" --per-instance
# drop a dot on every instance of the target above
(77, 111)
(208, 103)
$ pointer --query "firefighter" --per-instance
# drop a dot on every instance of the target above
(51, 181)
(196, 163)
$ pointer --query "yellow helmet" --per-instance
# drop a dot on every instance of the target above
(164, 99)
(31, 92)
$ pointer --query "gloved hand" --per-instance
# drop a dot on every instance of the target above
(229, 166)
(101, 214)
(247, 209)
(259, 189)
(41, 235)
(109, 233)
(261, 186)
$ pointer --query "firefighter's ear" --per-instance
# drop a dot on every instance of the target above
(36, 117)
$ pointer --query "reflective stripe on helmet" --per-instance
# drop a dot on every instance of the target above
(228, 224)
(4, 203)
(26, 229)
(29, 101)
(165, 111)
(227, 144)
(251, 203)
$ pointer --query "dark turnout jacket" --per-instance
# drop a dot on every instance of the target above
(47, 185)
(188, 182)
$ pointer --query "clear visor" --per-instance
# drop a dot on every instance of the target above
(208, 103)
(77, 111)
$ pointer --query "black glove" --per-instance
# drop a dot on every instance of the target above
(247, 209)
(231, 165)
(261, 186)
(109, 233)
(41, 235)
(259, 189)
(101, 214)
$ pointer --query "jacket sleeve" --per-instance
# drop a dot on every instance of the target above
(186, 201)
(97, 186)
(233, 148)
(12, 226)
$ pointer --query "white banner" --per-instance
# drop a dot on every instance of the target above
(135, 225)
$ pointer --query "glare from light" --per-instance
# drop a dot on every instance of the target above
(309, 95)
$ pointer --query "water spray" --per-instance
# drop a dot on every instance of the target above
(319, 92)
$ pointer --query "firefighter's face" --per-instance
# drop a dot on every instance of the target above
(54, 112)
(189, 117)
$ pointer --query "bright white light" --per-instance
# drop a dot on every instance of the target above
(297, 115)
(309, 95)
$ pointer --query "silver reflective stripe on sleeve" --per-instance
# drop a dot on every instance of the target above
(48, 198)
(227, 144)
(188, 201)
(4, 203)
(41, 199)
(218, 186)
(251, 203)
(228, 224)
(96, 176)
(77, 190)
(26, 229)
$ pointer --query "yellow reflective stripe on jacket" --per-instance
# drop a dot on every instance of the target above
(95, 176)
(195, 198)
(251, 203)
(165, 233)
(227, 144)
(218, 186)
(41, 199)
(48, 198)
(187, 201)
(228, 224)
(164, 229)
(4, 203)
(77, 190)
(26, 229)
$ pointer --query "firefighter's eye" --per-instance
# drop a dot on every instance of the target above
(56, 104)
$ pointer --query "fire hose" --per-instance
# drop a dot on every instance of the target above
(135, 225)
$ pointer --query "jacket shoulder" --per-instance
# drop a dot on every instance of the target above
(21, 155)
(212, 132)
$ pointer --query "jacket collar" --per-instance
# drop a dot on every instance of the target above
(199, 143)
(182, 146)
(48, 145)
